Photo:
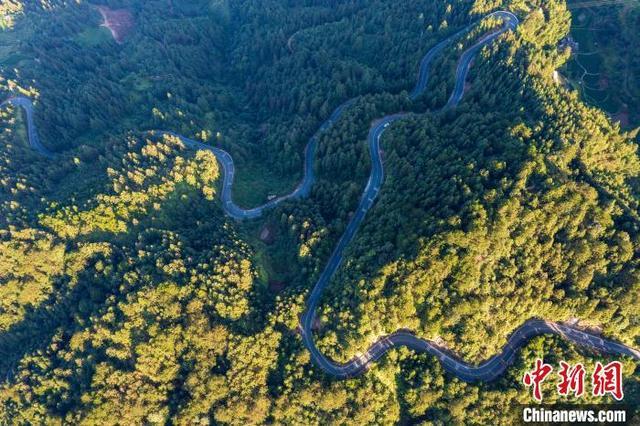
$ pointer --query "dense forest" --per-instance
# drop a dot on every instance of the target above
(128, 297)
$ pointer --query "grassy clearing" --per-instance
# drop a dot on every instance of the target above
(21, 129)
(255, 182)
(10, 55)
(92, 37)
(262, 262)
(137, 82)
(12, 60)
(262, 253)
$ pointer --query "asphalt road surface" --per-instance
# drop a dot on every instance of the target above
(486, 371)
(34, 139)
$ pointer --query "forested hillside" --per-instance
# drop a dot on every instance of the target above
(128, 297)
(497, 214)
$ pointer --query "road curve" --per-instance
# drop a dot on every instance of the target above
(495, 366)
(301, 191)
(489, 370)
(32, 133)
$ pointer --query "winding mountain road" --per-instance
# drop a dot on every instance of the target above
(486, 371)
(32, 133)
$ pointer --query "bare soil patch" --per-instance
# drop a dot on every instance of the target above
(267, 234)
(118, 21)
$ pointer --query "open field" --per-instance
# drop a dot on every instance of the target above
(254, 185)
(92, 37)
(604, 65)
(10, 55)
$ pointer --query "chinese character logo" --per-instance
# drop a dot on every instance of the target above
(605, 379)
(536, 377)
(608, 380)
(572, 379)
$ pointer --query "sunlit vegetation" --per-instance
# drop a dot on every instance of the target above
(479, 226)
(128, 297)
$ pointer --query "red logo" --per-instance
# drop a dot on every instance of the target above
(536, 377)
(605, 379)
(608, 380)
(572, 379)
